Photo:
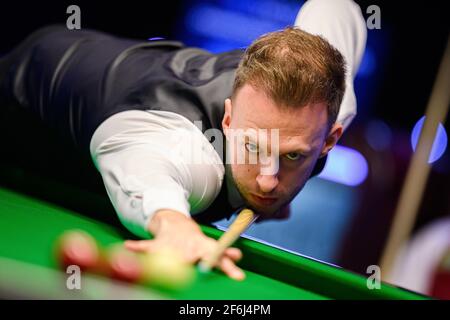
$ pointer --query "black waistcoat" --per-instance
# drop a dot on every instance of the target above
(75, 80)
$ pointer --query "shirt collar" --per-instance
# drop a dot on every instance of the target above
(234, 197)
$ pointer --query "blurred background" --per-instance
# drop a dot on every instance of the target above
(341, 217)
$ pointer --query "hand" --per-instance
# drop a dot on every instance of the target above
(175, 230)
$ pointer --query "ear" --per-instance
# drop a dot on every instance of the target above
(226, 121)
(332, 138)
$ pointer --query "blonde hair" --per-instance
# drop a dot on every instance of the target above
(294, 68)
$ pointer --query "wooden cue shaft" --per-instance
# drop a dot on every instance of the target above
(419, 168)
(245, 218)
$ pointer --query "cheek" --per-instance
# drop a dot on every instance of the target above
(252, 171)
(245, 174)
(291, 185)
(295, 178)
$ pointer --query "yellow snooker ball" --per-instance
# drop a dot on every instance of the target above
(167, 269)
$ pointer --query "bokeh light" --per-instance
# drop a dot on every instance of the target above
(378, 135)
(439, 143)
(346, 166)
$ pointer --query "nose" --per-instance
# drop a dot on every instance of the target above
(267, 183)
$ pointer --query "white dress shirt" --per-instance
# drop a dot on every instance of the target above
(342, 24)
(144, 157)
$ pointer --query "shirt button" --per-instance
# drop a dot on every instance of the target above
(134, 203)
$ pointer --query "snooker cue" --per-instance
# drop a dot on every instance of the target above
(245, 218)
(419, 168)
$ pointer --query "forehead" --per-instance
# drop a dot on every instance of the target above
(252, 108)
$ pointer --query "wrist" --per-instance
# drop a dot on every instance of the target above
(166, 221)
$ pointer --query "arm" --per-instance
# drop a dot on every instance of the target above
(342, 24)
(143, 158)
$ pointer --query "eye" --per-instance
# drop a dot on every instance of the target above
(251, 147)
(293, 156)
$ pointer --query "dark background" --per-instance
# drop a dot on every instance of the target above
(410, 46)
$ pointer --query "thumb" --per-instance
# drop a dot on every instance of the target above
(139, 245)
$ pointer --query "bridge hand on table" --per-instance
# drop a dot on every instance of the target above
(174, 230)
(192, 250)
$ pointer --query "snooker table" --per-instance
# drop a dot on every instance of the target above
(29, 228)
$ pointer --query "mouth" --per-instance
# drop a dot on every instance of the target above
(266, 201)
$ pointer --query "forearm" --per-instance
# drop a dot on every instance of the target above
(139, 185)
(146, 167)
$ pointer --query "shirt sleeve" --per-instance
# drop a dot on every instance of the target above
(155, 160)
(342, 24)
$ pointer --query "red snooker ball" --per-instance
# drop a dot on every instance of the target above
(122, 264)
(76, 247)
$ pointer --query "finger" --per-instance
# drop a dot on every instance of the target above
(234, 253)
(230, 269)
(191, 255)
(139, 246)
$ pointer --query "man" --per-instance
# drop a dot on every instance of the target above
(143, 109)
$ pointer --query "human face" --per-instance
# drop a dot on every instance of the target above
(303, 137)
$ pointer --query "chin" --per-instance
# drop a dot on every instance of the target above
(266, 212)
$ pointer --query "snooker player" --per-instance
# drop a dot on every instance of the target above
(136, 108)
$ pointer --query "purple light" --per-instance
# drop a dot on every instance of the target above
(155, 38)
(208, 21)
(346, 166)
(368, 63)
(439, 143)
(378, 135)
